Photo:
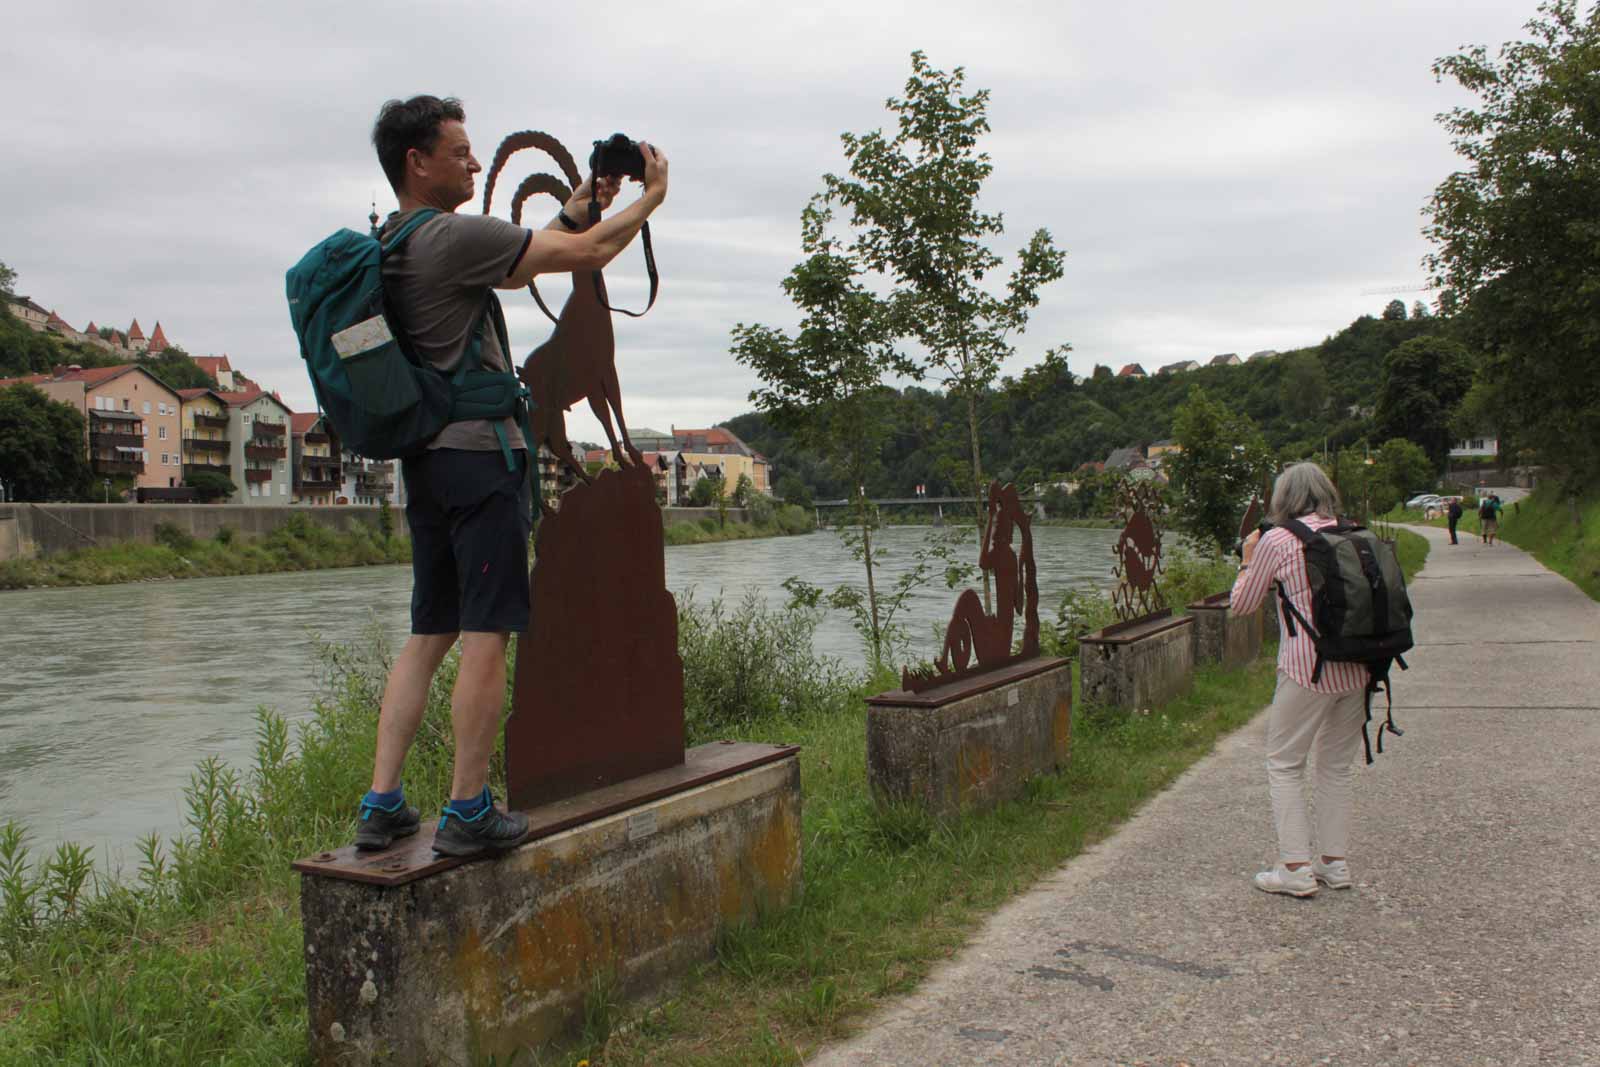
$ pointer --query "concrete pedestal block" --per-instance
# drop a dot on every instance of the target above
(1222, 637)
(497, 955)
(970, 744)
(1138, 664)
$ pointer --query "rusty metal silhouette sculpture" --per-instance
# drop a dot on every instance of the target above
(973, 632)
(1138, 552)
(578, 362)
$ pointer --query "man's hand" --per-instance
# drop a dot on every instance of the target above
(655, 172)
(602, 192)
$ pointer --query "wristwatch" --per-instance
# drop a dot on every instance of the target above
(567, 221)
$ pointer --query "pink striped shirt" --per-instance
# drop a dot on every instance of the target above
(1279, 557)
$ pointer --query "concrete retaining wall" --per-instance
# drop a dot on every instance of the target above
(497, 956)
(30, 530)
(1137, 665)
(976, 746)
(1222, 637)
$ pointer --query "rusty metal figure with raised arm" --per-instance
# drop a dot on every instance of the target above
(972, 632)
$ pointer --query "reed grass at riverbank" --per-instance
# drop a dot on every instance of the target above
(768, 521)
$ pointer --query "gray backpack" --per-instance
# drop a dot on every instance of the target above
(1360, 611)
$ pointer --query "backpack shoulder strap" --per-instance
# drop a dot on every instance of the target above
(1302, 533)
(395, 241)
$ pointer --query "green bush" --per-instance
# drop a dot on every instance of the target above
(172, 537)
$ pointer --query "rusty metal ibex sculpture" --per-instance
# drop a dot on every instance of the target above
(578, 362)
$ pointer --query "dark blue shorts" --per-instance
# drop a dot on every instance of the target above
(470, 519)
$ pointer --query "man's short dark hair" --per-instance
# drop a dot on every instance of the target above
(406, 124)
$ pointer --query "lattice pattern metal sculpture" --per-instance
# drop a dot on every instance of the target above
(972, 631)
(578, 362)
(1138, 551)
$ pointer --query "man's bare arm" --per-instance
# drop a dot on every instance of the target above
(552, 250)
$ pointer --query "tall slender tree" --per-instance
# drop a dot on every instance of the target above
(913, 198)
(825, 383)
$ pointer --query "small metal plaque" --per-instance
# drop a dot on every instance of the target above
(1012, 696)
(641, 826)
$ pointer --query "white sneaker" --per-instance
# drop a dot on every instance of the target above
(1335, 875)
(1296, 883)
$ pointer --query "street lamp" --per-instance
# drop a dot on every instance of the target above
(108, 490)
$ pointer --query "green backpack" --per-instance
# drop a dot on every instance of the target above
(384, 401)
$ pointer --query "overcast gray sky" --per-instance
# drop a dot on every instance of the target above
(1223, 176)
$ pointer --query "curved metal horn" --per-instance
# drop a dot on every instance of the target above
(537, 183)
(516, 142)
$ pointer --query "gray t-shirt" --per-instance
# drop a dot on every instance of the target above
(437, 286)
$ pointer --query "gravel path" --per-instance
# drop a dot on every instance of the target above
(1472, 935)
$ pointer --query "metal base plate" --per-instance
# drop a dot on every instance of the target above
(413, 858)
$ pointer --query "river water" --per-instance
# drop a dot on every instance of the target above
(109, 695)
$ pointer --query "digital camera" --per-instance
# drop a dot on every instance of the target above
(617, 155)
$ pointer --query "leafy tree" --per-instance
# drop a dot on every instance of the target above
(1516, 234)
(1424, 381)
(705, 491)
(913, 201)
(174, 367)
(743, 490)
(1395, 311)
(211, 485)
(8, 281)
(793, 490)
(825, 383)
(1405, 469)
(1223, 461)
(42, 446)
(1303, 390)
(1419, 310)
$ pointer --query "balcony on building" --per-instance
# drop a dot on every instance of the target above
(316, 437)
(256, 450)
(210, 422)
(119, 465)
(373, 486)
(205, 444)
(115, 429)
(257, 474)
(273, 430)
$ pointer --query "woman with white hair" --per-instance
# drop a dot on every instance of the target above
(1312, 715)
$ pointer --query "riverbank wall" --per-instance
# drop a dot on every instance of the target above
(31, 531)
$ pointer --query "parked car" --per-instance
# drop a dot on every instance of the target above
(1425, 500)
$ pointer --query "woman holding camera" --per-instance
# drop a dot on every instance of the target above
(1319, 719)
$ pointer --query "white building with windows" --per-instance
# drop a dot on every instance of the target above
(258, 431)
(1483, 445)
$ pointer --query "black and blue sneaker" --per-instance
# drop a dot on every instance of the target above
(379, 826)
(487, 830)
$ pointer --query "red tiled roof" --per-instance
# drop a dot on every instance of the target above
(212, 364)
(1130, 370)
(302, 422)
(93, 376)
(92, 330)
(57, 320)
(190, 394)
(31, 379)
(240, 398)
(158, 335)
(134, 333)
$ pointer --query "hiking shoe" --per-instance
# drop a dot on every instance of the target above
(1335, 875)
(1296, 883)
(379, 827)
(491, 830)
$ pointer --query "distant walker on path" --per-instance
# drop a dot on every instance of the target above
(1454, 516)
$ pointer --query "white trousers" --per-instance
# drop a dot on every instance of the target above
(1327, 728)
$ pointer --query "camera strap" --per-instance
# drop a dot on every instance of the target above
(599, 285)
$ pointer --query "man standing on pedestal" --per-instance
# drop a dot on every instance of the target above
(467, 505)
